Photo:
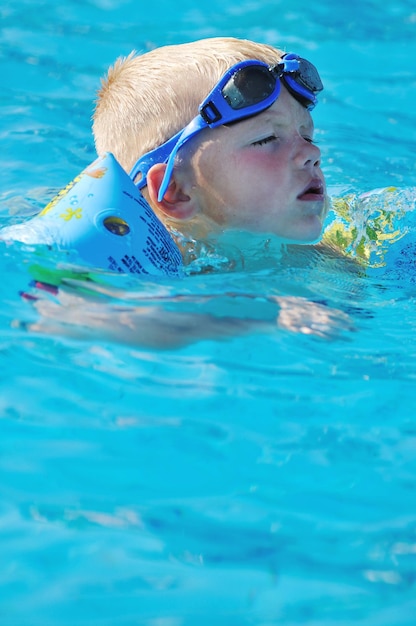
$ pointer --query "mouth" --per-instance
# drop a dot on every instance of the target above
(314, 192)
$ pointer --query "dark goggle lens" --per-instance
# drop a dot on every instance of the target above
(249, 86)
(308, 76)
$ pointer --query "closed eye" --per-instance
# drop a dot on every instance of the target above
(262, 142)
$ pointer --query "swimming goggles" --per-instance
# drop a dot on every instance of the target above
(247, 88)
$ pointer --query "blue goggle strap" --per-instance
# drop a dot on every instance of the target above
(196, 125)
(165, 154)
(158, 155)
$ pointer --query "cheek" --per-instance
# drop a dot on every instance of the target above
(263, 176)
(239, 180)
(217, 175)
(267, 163)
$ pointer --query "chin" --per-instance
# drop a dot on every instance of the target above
(313, 231)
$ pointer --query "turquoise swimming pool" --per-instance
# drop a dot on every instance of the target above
(260, 467)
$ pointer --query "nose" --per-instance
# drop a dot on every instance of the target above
(308, 154)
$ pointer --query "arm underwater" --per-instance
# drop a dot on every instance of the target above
(104, 218)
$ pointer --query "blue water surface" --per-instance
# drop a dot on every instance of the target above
(249, 456)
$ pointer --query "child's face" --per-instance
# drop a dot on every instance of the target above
(262, 174)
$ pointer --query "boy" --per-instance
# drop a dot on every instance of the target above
(246, 163)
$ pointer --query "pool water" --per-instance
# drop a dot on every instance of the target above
(249, 456)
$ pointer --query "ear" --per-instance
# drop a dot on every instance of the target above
(175, 203)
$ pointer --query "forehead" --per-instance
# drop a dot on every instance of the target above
(285, 110)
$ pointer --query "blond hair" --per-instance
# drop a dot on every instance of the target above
(145, 99)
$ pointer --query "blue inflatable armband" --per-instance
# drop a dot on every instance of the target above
(103, 216)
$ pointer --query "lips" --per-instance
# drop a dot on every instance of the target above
(313, 192)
